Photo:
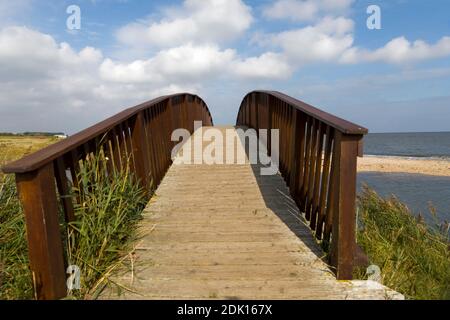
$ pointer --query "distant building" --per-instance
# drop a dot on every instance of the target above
(61, 136)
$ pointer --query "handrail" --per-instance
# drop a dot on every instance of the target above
(333, 121)
(318, 155)
(37, 159)
(138, 138)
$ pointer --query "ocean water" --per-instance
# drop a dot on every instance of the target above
(417, 191)
(432, 145)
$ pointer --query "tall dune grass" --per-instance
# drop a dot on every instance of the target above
(414, 257)
(15, 276)
(106, 217)
(109, 208)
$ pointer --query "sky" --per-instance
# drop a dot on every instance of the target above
(393, 79)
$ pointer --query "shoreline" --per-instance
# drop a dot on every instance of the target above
(395, 164)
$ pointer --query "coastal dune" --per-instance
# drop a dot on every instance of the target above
(433, 167)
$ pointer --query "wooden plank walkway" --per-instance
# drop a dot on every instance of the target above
(224, 231)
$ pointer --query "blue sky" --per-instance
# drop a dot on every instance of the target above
(395, 79)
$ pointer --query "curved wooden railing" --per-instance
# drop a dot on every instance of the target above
(318, 156)
(141, 134)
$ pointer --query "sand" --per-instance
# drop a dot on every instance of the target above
(434, 167)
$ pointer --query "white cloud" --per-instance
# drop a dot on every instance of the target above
(185, 63)
(197, 21)
(269, 65)
(45, 85)
(53, 84)
(305, 10)
(324, 42)
(402, 51)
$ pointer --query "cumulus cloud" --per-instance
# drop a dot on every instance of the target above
(45, 85)
(305, 10)
(400, 51)
(267, 66)
(199, 21)
(186, 62)
(53, 84)
(325, 41)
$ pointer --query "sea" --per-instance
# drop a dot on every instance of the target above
(419, 192)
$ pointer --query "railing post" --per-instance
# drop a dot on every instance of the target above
(343, 242)
(37, 194)
(140, 151)
(269, 125)
(295, 152)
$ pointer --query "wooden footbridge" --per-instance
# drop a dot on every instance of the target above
(214, 230)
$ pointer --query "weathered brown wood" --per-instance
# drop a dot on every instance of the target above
(140, 150)
(129, 147)
(344, 218)
(301, 164)
(325, 182)
(115, 149)
(64, 190)
(312, 169)
(122, 146)
(38, 197)
(332, 185)
(295, 154)
(308, 165)
(317, 178)
(269, 125)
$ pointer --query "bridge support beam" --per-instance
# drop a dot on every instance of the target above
(37, 193)
(140, 151)
(343, 243)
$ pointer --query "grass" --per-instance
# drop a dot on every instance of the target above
(15, 276)
(102, 234)
(106, 218)
(414, 258)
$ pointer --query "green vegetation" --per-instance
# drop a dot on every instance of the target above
(106, 218)
(15, 276)
(102, 234)
(32, 134)
(414, 258)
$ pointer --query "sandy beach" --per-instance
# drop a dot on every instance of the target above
(434, 167)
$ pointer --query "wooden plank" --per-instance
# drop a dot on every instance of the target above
(318, 175)
(344, 218)
(38, 197)
(325, 182)
(140, 152)
(312, 169)
(308, 165)
(64, 190)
